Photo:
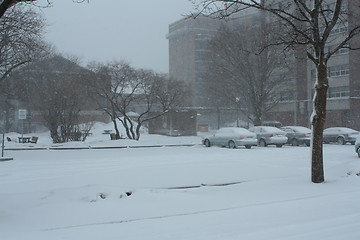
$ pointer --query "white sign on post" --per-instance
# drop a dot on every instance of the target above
(22, 114)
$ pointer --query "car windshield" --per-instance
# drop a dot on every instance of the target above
(273, 130)
(300, 129)
(240, 131)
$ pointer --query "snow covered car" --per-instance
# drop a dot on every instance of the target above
(357, 145)
(340, 135)
(269, 136)
(231, 137)
(297, 135)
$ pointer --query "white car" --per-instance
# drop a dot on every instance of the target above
(340, 135)
(269, 136)
(231, 137)
(357, 145)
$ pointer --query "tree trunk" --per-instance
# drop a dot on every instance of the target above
(127, 128)
(318, 121)
(257, 121)
(54, 135)
(137, 131)
(117, 132)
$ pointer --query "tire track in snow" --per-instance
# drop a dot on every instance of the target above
(193, 213)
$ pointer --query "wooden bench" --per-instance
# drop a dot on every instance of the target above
(24, 139)
(28, 139)
(34, 139)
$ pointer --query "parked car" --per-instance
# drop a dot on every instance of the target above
(357, 145)
(231, 137)
(340, 135)
(272, 124)
(297, 135)
(269, 136)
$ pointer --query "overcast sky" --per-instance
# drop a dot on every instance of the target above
(105, 30)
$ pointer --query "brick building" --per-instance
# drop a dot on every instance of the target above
(188, 47)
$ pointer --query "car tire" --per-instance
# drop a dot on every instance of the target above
(231, 144)
(262, 143)
(340, 141)
(294, 142)
(279, 145)
(207, 143)
(358, 152)
(247, 146)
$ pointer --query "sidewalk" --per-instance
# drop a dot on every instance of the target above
(104, 142)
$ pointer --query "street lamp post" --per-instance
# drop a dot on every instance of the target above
(237, 100)
(2, 127)
(3, 144)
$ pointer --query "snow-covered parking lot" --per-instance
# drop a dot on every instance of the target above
(179, 193)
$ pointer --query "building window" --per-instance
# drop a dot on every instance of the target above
(338, 30)
(339, 70)
(341, 51)
(339, 92)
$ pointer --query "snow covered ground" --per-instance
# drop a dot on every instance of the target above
(187, 192)
(98, 139)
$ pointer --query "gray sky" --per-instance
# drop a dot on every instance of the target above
(105, 30)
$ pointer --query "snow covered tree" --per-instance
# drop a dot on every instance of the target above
(309, 23)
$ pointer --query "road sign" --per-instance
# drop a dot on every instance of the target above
(22, 114)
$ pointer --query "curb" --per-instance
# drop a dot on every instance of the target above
(3, 159)
(100, 147)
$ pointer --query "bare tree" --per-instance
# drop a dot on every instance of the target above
(20, 39)
(309, 23)
(112, 89)
(158, 95)
(53, 88)
(245, 74)
(5, 5)
(128, 90)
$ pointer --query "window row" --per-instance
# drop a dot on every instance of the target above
(333, 71)
(338, 92)
(339, 70)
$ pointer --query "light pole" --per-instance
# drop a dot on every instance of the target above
(3, 144)
(237, 100)
(2, 158)
(2, 127)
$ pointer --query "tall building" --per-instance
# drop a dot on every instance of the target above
(189, 53)
(343, 99)
(188, 41)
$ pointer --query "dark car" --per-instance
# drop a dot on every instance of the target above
(297, 135)
(340, 135)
